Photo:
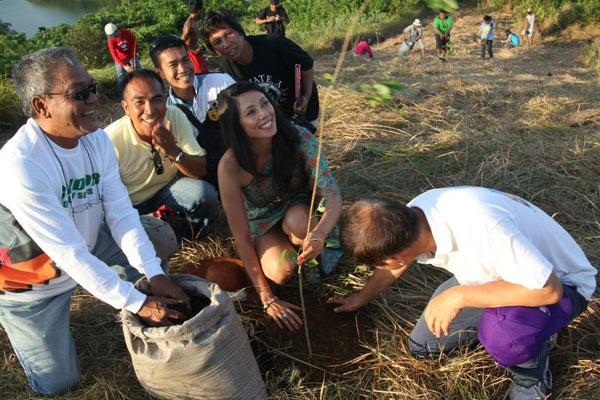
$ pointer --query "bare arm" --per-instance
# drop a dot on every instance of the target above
(377, 283)
(443, 308)
(230, 188)
(314, 243)
(307, 82)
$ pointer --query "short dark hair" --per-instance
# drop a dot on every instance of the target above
(377, 227)
(196, 5)
(284, 142)
(217, 19)
(163, 43)
(143, 74)
(487, 18)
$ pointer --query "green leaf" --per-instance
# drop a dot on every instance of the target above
(311, 263)
(292, 254)
(329, 77)
(332, 243)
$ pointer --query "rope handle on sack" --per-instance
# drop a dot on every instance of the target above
(268, 303)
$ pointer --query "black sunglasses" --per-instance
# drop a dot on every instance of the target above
(157, 161)
(167, 40)
(81, 94)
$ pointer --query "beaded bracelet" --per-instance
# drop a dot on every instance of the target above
(268, 303)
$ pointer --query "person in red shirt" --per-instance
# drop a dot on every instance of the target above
(123, 49)
(364, 49)
(190, 36)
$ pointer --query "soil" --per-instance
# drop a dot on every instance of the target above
(335, 338)
(198, 304)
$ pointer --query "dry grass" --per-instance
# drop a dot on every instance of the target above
(526, 123)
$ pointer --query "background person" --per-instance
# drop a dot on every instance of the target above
(123, 49)
(61, 185)
(486, 33)
(519, 277)
(363, 48)
(273, 19)
(527, 32)
(191, 34)
(267, 60)
(442, 26)
(160, 162)
(414, 34)
(195, 95)
(266, 177)
(511, 39)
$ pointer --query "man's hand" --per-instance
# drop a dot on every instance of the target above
(300, 108)
(441, 311)
(164, 139)
(156, 312)
(128, 68)
(162, 286)
(347, 303)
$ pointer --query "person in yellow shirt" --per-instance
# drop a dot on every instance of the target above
(160, 161)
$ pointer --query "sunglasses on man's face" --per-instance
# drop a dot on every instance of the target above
(157, 161)
(81, 94)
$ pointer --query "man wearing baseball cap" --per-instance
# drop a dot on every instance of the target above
(123, 49)
(414, 33)
(272, 18)
(519, 277)
(527, 32)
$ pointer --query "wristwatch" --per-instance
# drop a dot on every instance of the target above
(180, 157)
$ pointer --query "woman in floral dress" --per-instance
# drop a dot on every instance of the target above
(266, 178)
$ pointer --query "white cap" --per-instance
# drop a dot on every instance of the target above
(161, 235)
(417, 22)
(530, 10)
(110, 29)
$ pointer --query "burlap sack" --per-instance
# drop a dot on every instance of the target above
(207, 357)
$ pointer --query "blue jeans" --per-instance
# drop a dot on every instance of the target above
(121, 73)
(39, 330)
(463, 332)
(487, 46)
(194, 198)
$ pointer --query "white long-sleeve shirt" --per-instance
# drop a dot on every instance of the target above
(60, 196)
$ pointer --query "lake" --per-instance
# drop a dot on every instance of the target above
(27, 16)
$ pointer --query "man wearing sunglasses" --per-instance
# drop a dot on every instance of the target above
(62, 201)
(160, 162)
(194, 94)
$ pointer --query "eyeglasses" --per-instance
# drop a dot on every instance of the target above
(81, 94)
(157, 161)
(168, 40)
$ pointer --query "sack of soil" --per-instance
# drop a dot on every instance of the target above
(206, 357)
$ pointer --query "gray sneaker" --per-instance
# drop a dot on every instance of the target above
(535, 392)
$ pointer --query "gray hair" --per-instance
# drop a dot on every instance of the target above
(33, 73)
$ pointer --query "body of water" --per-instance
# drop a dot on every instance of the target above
(28, 16)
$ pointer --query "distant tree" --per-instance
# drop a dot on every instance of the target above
(5, 28)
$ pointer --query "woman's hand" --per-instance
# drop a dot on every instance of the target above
(283, 313)
(313, 246)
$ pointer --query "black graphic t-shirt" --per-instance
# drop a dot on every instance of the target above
(273, 68)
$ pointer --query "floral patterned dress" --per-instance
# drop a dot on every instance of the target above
(266, 206)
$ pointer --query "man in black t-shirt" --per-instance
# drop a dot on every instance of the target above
(268, 60)
(273, 18)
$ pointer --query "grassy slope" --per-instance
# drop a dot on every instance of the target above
(526, 122)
